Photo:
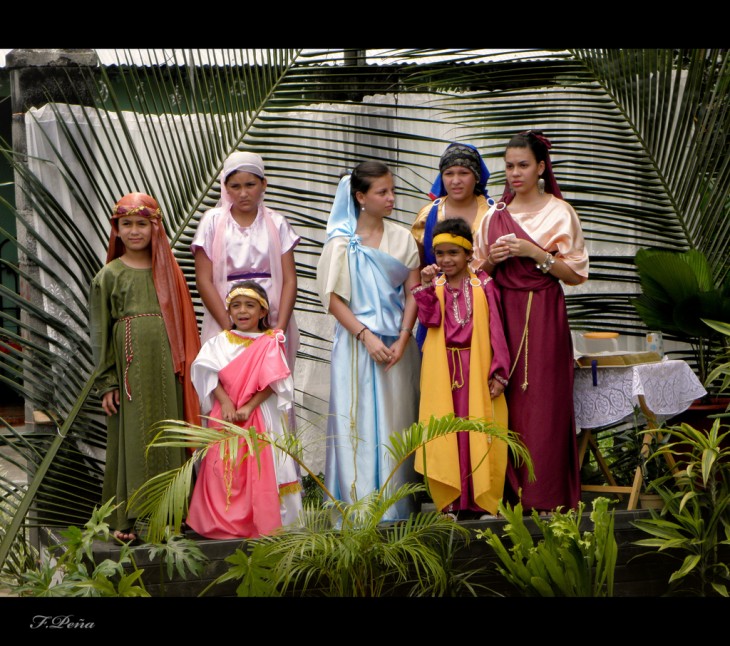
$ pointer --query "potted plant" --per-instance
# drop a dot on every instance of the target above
(678, 291)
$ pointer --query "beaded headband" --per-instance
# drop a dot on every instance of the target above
(145, 211)
(249, 293)
(460, 241)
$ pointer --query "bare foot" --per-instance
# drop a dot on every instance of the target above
(124, 535)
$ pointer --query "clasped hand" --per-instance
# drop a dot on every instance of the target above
(381, 353)
(231, 414)
(507, 248)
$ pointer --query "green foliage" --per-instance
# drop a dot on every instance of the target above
(565, 562)
(312, 494)
(720, 366)
(22, 555)
(164, 498)
(694, 524)
(357, 555)
(178, 554)
(340, 549)
(255, 570)
(69, 569)
(678, 294)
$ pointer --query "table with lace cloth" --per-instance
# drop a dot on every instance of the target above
(668, 388)
(658, 390)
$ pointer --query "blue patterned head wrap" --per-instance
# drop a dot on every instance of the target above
(466, 155)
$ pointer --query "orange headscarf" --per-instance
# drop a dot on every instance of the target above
(172, 293)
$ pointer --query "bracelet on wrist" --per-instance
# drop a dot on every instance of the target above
(358, 336)
(500, 379)
(407, 329)
(546, 264)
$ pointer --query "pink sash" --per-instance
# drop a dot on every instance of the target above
(241, 500)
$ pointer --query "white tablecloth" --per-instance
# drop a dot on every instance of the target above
(669, 387)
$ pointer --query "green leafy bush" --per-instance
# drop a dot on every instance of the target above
(694, 524)
(68, 570)
(565, 562)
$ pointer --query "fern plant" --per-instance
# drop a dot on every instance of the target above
(360, 558)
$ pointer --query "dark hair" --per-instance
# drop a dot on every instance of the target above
(251, 284)
(241, 170)
(363, 175)
(533, 139)
(454, 226)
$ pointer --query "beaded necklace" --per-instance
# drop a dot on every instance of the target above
(455, 304)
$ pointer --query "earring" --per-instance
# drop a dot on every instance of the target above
(541, 186)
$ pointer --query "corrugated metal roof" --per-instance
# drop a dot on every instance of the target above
(202, 57)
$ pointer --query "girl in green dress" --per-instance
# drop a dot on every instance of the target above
(144, 337)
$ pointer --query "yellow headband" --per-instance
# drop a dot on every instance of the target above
(250, 293)
(461, 241)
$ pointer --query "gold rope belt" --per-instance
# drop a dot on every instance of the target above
(523, 341)
(128, 349)
(456, 361)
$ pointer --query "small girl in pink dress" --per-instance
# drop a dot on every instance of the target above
(242, 377)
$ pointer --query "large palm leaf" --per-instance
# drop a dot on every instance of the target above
(639, 150)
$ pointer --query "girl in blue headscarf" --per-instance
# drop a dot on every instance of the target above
(460, 191)
(364, 277)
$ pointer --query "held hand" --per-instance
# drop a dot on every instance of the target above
(524, 249)
(110, 402)
(243, 413)
(498, 252)
(228, 411)
(429, 273)
(496, 388)
(397, 350)
(377, 350)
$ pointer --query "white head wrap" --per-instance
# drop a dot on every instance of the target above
(243, 161)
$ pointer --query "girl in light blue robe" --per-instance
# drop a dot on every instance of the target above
(364, 276)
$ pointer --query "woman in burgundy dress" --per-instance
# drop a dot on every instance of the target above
(529, 244)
